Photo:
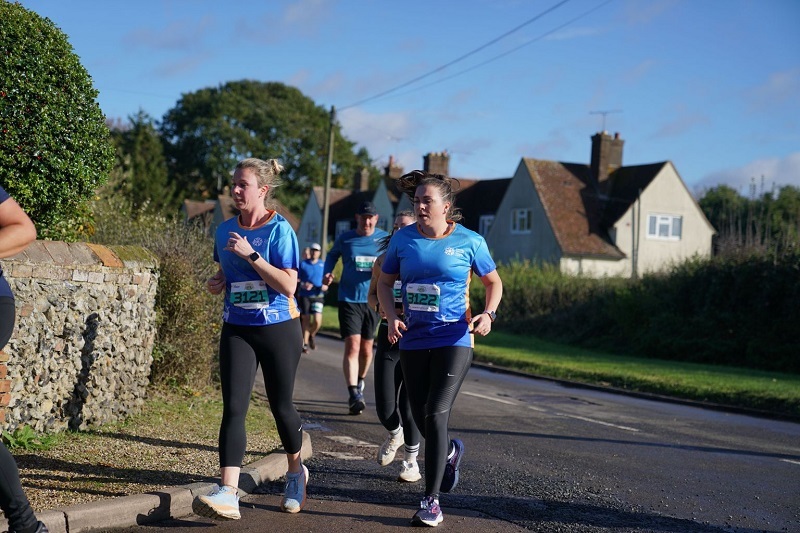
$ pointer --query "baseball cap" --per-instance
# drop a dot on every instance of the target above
(316, 246)
(367, 208)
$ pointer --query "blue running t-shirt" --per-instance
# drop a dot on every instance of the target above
(358, 253)
(435, 274)
(311, 273)
(249, 301)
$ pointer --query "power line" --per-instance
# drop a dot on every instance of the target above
(453, 62)
(508, 52)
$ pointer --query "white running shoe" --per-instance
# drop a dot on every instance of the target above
(409, 471)
(389, 448)
(221, 503)
(294, 492)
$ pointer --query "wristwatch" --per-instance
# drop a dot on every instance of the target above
(254, 257)
(492, 315)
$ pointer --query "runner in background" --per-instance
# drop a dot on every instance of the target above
(357, 249)
(311, 296)
(391, 399)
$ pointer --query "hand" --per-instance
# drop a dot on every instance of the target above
(481, 324)
(308, 286)
(216, 283)
(327, 279)
(238, 245)
(396, 327)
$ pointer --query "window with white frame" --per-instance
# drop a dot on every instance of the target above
(342, 226)
(485, 224)
(521, 221)
(666, 227)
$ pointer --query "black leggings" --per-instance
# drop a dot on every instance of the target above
(13, 501)
(276, 348)
(433, 378)
(391, 398)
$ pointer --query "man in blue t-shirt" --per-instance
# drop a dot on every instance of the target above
(358, 250)
(311, 296)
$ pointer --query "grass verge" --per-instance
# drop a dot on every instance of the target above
(775, 393)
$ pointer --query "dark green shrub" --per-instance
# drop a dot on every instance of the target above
(731, 311)
(54, 147)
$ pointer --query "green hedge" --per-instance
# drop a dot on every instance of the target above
(741, 312)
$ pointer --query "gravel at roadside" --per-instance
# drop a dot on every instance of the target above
(172, 442)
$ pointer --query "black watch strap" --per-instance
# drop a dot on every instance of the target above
(492, 315)
(254, 257)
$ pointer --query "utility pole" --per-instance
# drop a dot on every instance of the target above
(605, 113)
(327, 195)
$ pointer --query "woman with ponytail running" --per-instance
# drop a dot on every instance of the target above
(434, 259)
(258, 258)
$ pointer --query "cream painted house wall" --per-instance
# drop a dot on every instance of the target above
(539, 244)
(666, 195)
(595, 268)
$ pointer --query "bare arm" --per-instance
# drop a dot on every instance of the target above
(385, 292)
(216, 283)
(481, 323)
(16, 229)
(283, 280)
(372, 292)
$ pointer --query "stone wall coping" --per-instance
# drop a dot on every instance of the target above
(84, 253)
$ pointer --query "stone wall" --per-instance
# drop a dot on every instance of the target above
(81, 350)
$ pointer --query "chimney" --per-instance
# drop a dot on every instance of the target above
(437, 163)
(606, 155)
(393, 170)
(361, 180)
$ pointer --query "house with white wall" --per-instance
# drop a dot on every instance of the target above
(601, 219)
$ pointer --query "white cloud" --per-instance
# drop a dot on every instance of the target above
(183, 35)
(681, 124)
(776, 171)
(779, 88)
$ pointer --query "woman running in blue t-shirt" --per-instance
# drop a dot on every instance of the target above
(434, 259)
(258, 258)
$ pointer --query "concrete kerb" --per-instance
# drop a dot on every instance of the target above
(176, 502)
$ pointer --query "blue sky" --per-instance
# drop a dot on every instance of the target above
(711, 85)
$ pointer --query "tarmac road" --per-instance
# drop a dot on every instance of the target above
(539, 456)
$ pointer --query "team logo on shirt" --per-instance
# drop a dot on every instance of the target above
(258, 241)
(449, 251)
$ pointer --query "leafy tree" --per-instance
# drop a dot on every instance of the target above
(54, 147)
(140, 169)
(762, 224)
(210, 130)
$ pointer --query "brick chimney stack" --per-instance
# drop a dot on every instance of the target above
(393, 170)
(361, 180)
(606, 155)
(437, 163)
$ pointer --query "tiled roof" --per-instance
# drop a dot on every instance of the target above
(195, 208)
(573, 207)
(623, 187)
(478, 198)
(344, 207)
(336, 195)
